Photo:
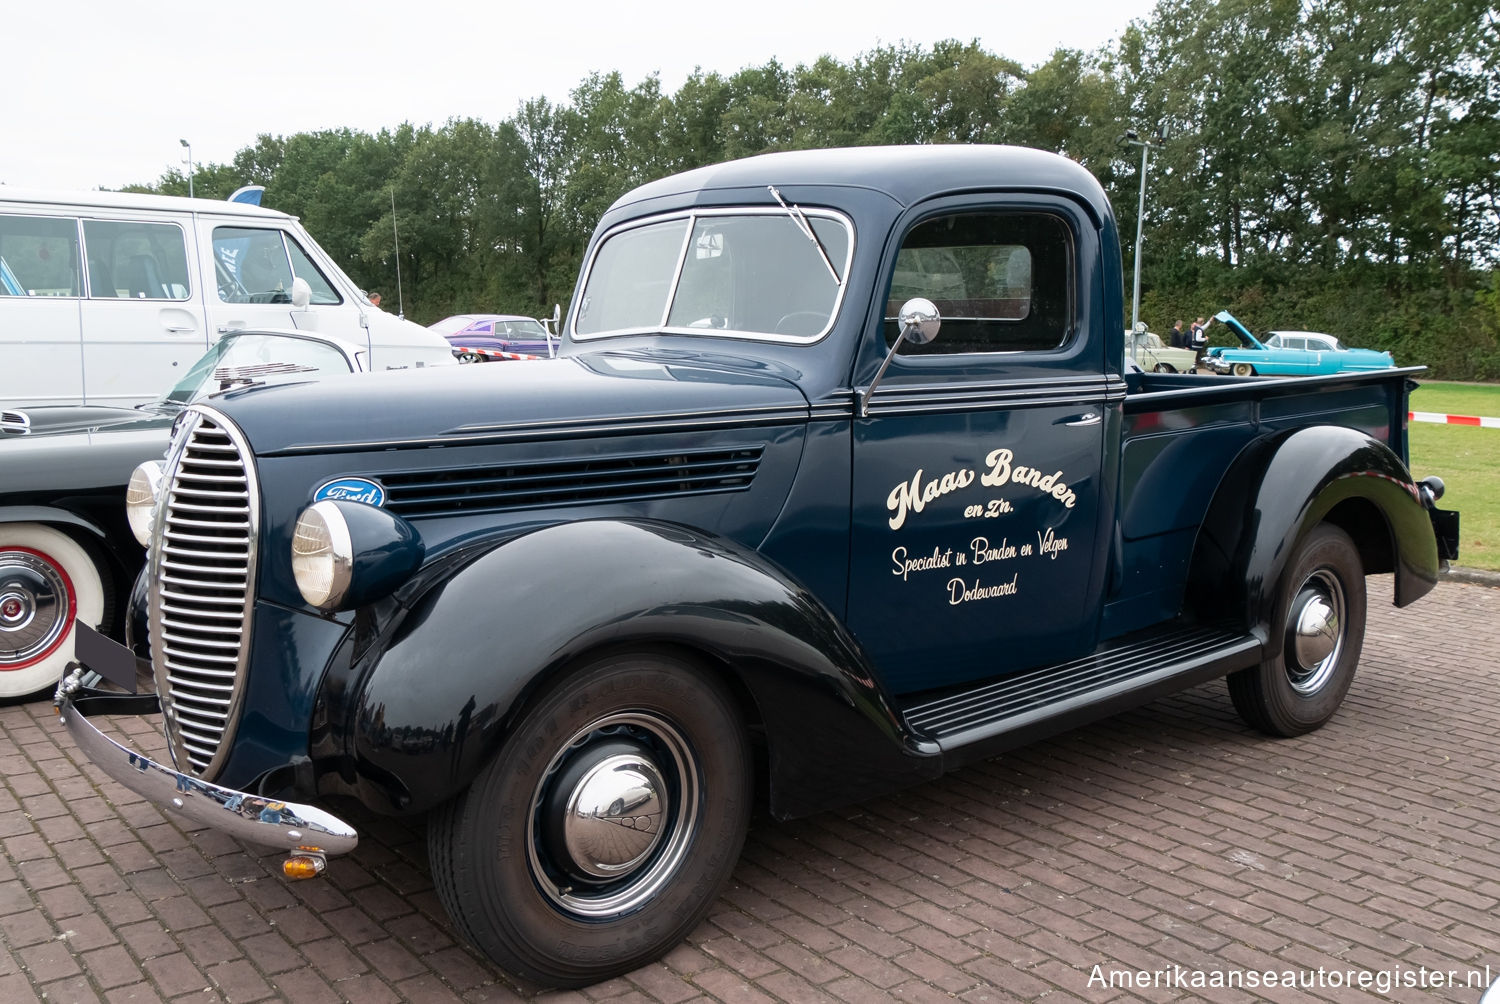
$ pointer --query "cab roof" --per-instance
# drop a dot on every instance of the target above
(906, 173)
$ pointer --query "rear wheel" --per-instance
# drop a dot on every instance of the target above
(1244, 369)
(1318, 630)
(604, 827)
(47, 582)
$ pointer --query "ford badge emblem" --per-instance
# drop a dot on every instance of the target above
(351, 490)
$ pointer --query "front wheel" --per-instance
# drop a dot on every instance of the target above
(605, 826)
(47, 583)
(1317, 632)
(1244, 369)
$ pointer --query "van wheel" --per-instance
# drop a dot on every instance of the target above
(1318, 631)
(605, 826)
(1244, 369)
(47, 581)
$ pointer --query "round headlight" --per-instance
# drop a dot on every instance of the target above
(140, 499)
(322, 555)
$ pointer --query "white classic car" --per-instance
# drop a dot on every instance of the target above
(1147, 350)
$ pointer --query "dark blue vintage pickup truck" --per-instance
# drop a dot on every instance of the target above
(840, 480)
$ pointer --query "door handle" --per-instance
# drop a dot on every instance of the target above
(1087, 418)
(181, 329)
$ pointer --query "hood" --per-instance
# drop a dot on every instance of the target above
(1232, 323)
(55, 419)
(48, 466)
(592, 393)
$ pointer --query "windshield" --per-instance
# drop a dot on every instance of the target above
(315, 360)
(525, 327)
(451, 325)
(739, 273)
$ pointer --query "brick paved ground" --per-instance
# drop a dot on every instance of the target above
(1168, 836)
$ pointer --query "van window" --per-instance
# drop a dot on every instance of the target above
(1001, 281)
(39, 256)
(303, 268)
(257, 266)
(135, 261)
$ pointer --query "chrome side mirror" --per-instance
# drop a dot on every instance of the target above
(920, 322)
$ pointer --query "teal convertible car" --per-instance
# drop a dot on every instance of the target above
(1290, 353)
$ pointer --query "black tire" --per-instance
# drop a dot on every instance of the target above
(1318, 630)
(542, 863)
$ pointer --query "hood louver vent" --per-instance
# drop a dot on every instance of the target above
(570, 482)
(14, 423)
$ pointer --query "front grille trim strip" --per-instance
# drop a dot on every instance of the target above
(202, 563)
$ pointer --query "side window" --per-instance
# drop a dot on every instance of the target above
(1002, 282)
(39, 256)
(251, 266)
(303, 268)
(135, 261)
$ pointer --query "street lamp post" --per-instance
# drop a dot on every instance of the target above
(189, 147)
(1140, 215)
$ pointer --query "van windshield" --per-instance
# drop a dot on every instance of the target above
(745, 273)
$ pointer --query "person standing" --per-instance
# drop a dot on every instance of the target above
(1198, 341)
(1179, 337)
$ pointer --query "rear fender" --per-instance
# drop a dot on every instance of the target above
(1280, 487)
(431, 708)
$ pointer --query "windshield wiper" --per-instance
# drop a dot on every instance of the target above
(255, 373)
(800, 219)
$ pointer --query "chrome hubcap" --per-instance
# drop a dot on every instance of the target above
(613, 816)
(33, 607)
(1315, 636)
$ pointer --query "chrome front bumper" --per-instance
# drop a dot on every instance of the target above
(252, 818)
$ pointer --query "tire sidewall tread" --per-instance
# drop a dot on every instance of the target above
(1263, 695)
(488, 890)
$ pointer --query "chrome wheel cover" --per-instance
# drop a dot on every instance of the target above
(613, 816)
(36, 607)
(1314, 633)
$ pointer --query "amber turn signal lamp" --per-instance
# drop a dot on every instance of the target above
(308, 863)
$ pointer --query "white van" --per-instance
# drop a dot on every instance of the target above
(107, 297)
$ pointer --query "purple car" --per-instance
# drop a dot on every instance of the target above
(492, 337)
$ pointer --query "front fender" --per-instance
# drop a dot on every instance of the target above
(431, 708)
(1280, 487)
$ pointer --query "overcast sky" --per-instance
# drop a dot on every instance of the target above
(101, 91)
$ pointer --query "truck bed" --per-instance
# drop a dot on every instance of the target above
(1179, 435)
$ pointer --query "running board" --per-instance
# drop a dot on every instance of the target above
(1039, 702)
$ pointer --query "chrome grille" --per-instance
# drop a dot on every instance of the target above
(202, 572)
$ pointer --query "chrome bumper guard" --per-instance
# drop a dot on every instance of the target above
(252, 818)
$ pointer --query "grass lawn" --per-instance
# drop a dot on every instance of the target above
(1458, 398)
(1467, 459)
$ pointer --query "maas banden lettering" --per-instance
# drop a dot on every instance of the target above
(840, 480)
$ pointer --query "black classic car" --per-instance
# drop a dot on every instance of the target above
(66, 550)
